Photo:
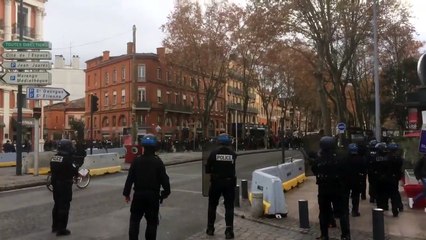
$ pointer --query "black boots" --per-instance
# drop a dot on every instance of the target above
(210, 231)
(229, 233)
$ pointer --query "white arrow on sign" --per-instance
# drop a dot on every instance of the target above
(26, 65)
(39, 55)
(45, 93)
(28, 78)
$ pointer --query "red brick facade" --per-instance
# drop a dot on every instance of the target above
(164, 99)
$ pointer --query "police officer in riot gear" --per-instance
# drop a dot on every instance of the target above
(221, 167)
(371, 172)
(148, 174)
(329, 169)
(357, 164)
(396, 173)
(63, 170)
(385, 179)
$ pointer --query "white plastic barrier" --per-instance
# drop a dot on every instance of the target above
(43, 162)
(273, 195)
(299, 168)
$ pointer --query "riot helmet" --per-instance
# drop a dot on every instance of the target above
(149, 140)
(372, 143)
(327, 143)
(393, 146)
(224, 139)
(353, 148)
(65, 147)
(381, 147)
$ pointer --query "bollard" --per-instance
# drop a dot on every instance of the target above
(237, 196)
(244, 189)
(303, 214)
(378, 224)
(256, 204)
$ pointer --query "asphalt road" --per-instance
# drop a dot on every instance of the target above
(100, 212)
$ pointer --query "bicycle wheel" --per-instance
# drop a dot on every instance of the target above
(83, 181)
(49, 183)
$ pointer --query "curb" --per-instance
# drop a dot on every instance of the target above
(24, 185)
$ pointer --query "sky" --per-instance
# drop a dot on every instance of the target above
(88, 27)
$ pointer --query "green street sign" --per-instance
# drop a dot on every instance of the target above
(29, 45)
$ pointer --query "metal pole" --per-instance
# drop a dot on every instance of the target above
(244, 189)
(378, 224)
(236, 131)
(378, 131)
(134, 89)
(303, 214)
(282, 141)
(91, 127)
(19, 100)
(37, 140)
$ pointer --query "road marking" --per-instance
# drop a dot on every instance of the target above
(186, 191)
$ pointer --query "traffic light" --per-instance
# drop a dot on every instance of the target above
(93, 103)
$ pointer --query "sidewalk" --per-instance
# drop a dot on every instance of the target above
(408, 226)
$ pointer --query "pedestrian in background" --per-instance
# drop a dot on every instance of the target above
(221, 167)
(420, 173)
(330, 168)
(148, 175)
(63, 171)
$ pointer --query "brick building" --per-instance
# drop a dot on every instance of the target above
(57, 118)
(9, 31)
(141, 89)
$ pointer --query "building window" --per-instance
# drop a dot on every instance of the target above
(159, 73)
(159, 95)
(192, 100)
(105, 122)
(142, 120)
(114, 121)
(70, 119)
(167, 76)
(123, 95)
(169, 98)
(141, 73)
(141, 94)
(184, 100)
(106, 100)
(114, 97)
(123, 73)
(106, 78)
(114, 76)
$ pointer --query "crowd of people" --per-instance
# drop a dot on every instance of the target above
(342, 173)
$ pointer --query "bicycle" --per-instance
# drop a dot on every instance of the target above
(81, 181)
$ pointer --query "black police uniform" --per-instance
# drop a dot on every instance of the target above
(357, 164)
(397, 163)
(148, 174)
(372, 173)
(329, 169)
(221, 167)
(63, 170)
(386, 182)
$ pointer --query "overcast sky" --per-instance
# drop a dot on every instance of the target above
(88, 27)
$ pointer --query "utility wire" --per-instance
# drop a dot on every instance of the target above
(91, 43)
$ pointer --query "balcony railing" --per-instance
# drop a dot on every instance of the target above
(235, 90)
(252, 110)
(235, 106)
(143, 105)
(178, 108)
(28, 31)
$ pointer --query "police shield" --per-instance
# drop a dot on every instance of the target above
(207, 149)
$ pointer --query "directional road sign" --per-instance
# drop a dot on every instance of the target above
(44, 93)
(29, 45)
(14, 65)
(28, 78)
(40, 55)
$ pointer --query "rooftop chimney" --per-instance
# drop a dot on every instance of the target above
(59, 61)
(130, 48)
(75, 62)
(161, 53)
(105, 56)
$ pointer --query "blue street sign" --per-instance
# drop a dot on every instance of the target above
(341, 126)
(422, 142)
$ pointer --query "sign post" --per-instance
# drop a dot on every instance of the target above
(19, 77)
